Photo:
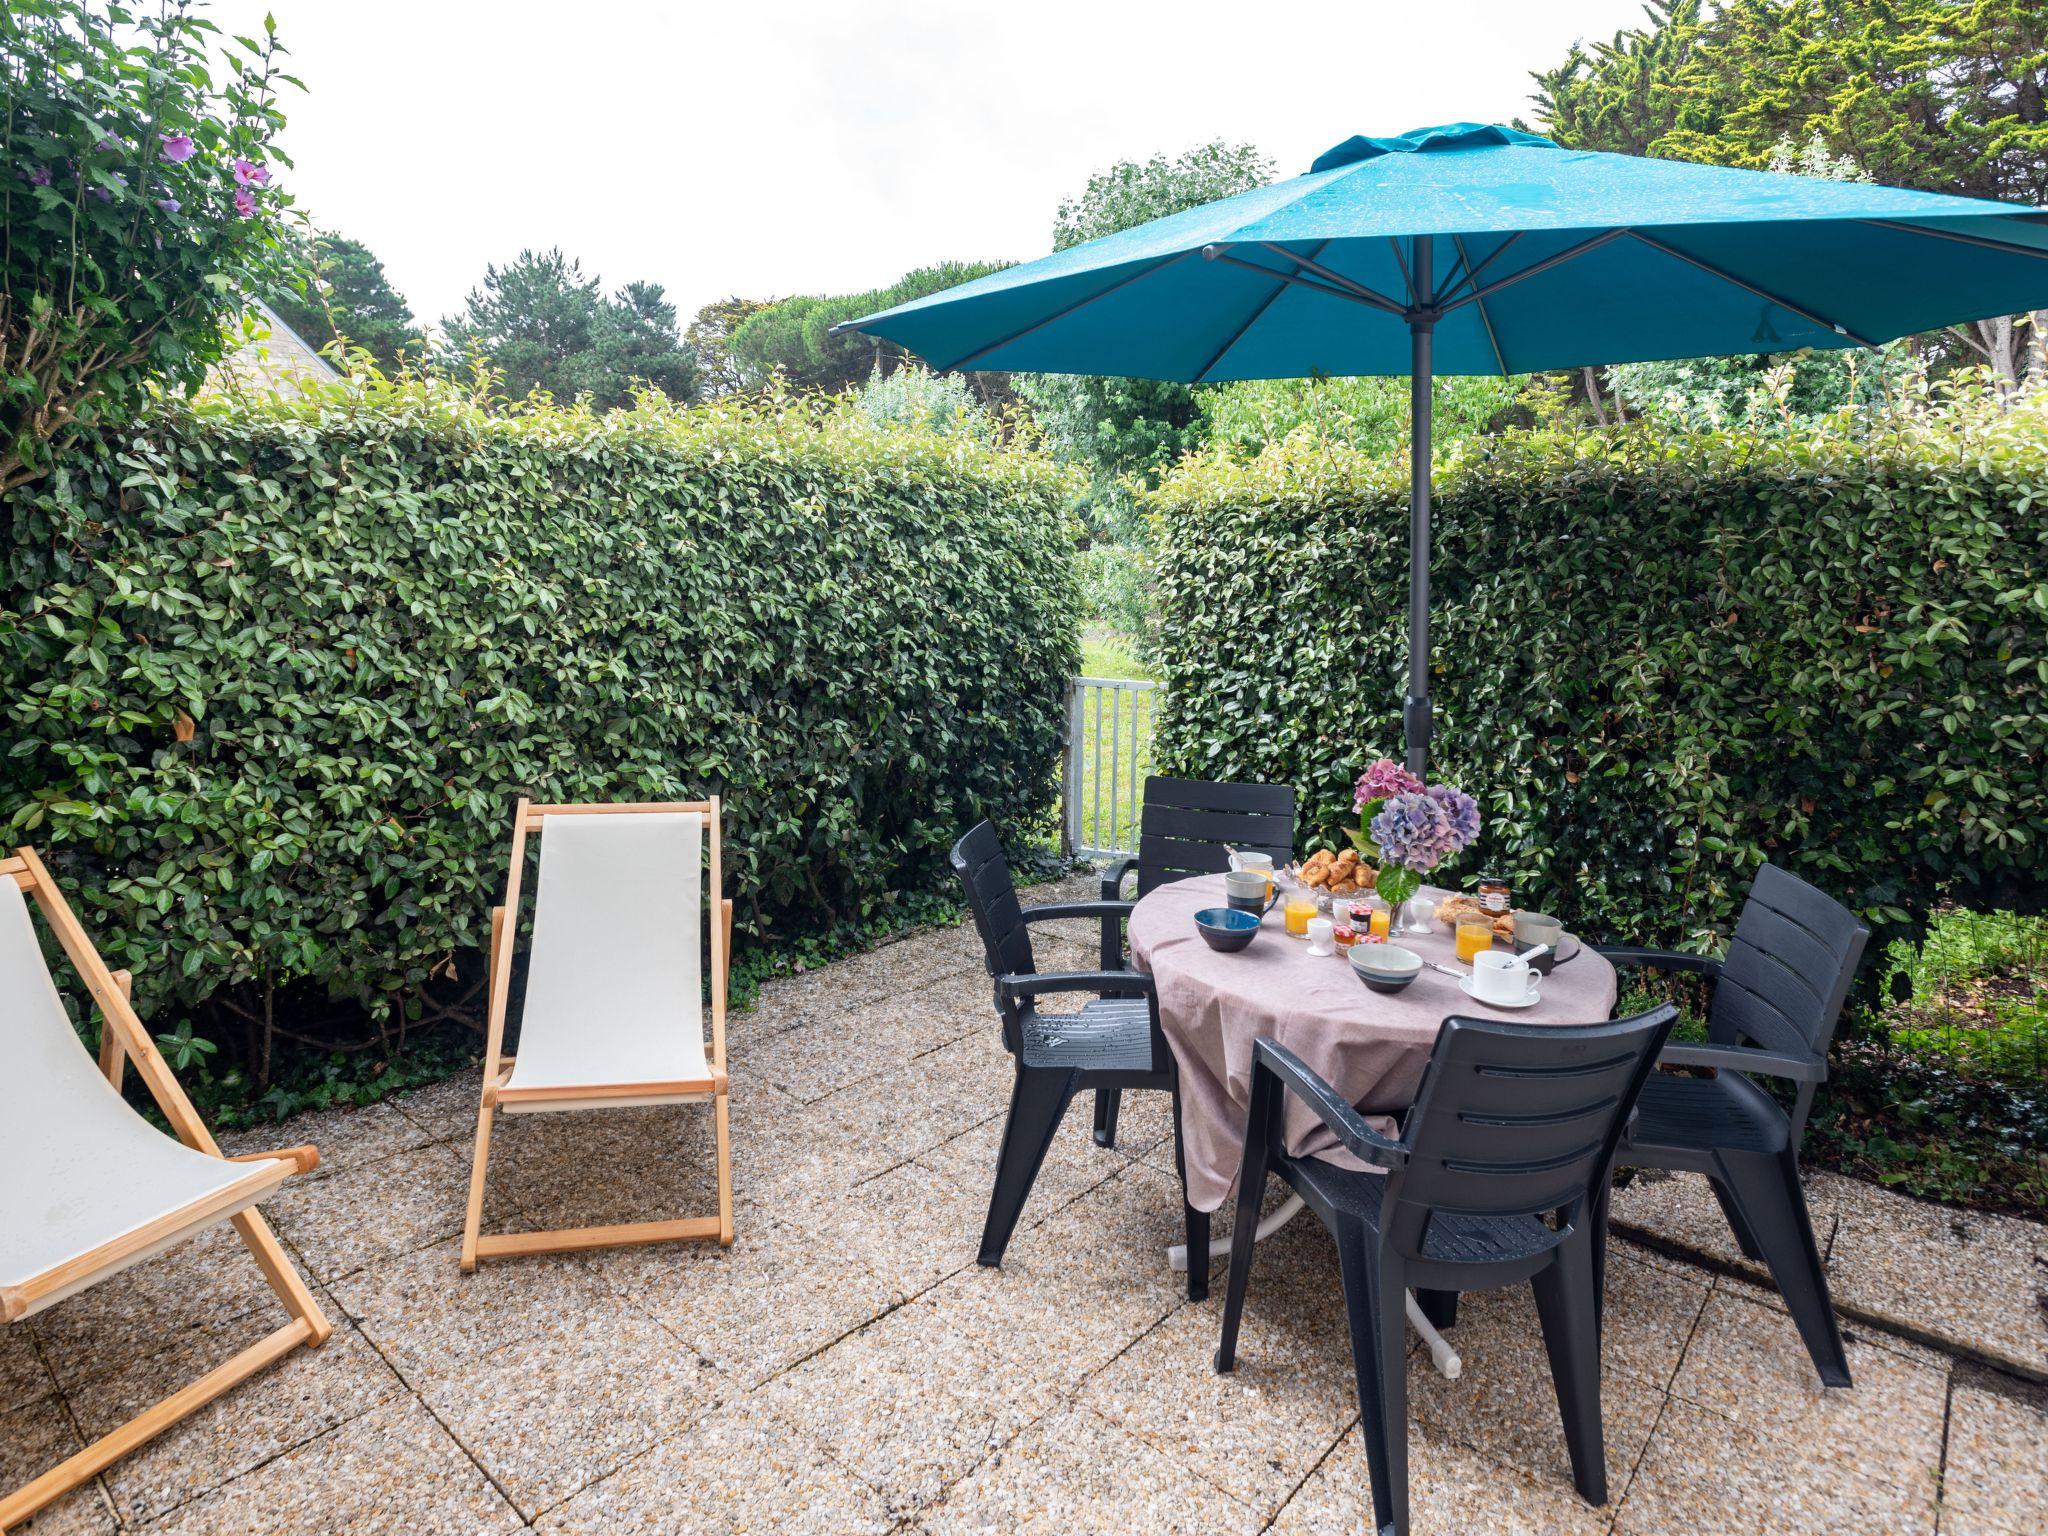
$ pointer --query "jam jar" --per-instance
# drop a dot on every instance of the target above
(1496, 895)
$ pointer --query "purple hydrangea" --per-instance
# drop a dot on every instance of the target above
(1382, 779)
(1420, 831)
(178, 148)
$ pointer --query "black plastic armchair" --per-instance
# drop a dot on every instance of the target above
(1112, 1043)
(1188, 827)
(1777, 996)
(1491, 1183)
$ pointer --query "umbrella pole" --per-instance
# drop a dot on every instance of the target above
(1415, 710)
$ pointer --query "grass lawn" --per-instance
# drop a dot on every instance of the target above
(1106, 653)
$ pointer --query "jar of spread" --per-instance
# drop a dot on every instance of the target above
(1496, 896)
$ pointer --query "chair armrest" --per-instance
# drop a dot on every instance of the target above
(1113, 879)
(303, 1159)
(1662, 959)
(1018, 986)
(1055, 910)
(1345, 1123)
(1741, 1058)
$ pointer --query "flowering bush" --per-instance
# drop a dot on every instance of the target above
(137, 210)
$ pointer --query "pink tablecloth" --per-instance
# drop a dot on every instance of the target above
(1371, 1046)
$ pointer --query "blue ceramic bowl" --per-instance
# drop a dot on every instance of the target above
(1227, 929)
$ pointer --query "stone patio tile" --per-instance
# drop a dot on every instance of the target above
(598, 1167)
(1451, 1489)
(785, 1155)
(919, 1398)
(389, 1471)
(298, 1399)
(1256, 1432)
(204, 1283)
(347, 1138)
(1073, 1474)
(829, 1051)
(910, 1109)
(425, 1316)
(1652, 1307)
(23, 1376)
(1701, 1467)
(908, 1226)
(731, 1473)
(445, 1110)
(1963, 1276)
(1997, 1475)
(756, 1308)
(1680, 1209)
(360, 1215)
(1746, 1363)
(1073, 1165)
(1504, 1404)
(549, 1415)
(34, 1438)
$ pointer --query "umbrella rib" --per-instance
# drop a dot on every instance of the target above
(1371, 301)
(1280, 286)
(1472, 276)
(1984, 242)
(1044, 321)
(1476, 294)
(1351, 285)
(1407, 277)
(1484, 318)
(1751, 288)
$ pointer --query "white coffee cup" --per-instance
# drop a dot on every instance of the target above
(1262, 862)
(1499, 977)
(1320, 941)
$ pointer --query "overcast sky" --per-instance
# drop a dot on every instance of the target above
(783, 146)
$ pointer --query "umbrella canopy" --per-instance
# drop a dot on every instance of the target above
(1477, 249)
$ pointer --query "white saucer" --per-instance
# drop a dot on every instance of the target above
(1465, 986)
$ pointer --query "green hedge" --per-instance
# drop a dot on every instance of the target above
(1657, 661)
(274, 675)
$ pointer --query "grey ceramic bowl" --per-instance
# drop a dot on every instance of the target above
(1385, 967)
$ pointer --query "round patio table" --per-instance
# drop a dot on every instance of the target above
(1370, 1046)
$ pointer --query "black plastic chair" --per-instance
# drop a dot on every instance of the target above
(1112, 1043)
(1777, 996)
(1492, 1183)
(1188, 827)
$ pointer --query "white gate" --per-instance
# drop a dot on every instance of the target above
(1109, 752)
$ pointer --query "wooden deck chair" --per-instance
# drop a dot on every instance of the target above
(614, 1009)
(88, 1187)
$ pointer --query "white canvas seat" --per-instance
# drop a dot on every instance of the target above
(89, 1186)
(613, 1014)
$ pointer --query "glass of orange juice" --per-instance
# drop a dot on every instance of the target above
(1382, 921)
(1473, 938)
(1299, 907)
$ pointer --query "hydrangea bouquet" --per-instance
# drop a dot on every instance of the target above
(1409, 828)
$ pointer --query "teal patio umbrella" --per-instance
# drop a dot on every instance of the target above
(1475, 249)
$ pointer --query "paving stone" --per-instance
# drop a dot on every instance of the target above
(1073, 1474)
(23, 1376)
(1746, 1362)
(202, 1284)
(1651, 1309)
(911, 1109)
(1966, 1277)
(1680, 1208)
(1451, 1488)
(830, 1051)
(425, 1316)
(1256, 1432)
(785, 1156)
(775, 1296)
(919, 1398)
(360, 1215)
(549, 1415)
(601, 1167)
(1997, 1473)
(733, 1472)
(907, 1226)
(1756, 1485)
(447, 1110)
(347, 1138)
(35, 1437)
(296, 1400)
(389, 1471)
(1073, 1165)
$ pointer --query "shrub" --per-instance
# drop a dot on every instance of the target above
(275, 674)
(1658, 661)
(137, 208)
(1116, 590)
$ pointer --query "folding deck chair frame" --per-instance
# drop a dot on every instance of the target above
(499, 1094)
(124, 1039)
